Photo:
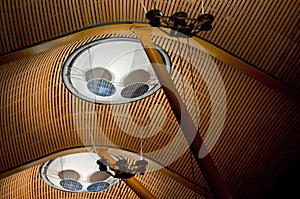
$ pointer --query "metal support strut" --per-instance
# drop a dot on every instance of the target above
(206, 164)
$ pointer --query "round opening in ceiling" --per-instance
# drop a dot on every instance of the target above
(77, 172)
(125, 75)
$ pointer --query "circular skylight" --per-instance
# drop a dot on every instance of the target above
(112, 71)
(77, 173)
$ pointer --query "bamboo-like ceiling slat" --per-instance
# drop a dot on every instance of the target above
(39, 116)
(263, 33)
(42, 116)
(30, 185)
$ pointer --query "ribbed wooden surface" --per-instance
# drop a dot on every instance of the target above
(39, 116)
(260, 129)
(264, 33)
(29, 184)
(43, 113)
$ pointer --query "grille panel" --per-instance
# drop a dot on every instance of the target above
(71, 185)
(101, 87)
(98, 186)
(134, 90)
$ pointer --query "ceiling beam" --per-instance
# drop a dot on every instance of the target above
(187, 183)
(138, 188)
(250, 70)
(206, 164)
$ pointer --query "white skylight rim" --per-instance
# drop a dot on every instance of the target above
(81, 165)
(118, 58)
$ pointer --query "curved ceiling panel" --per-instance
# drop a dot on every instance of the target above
(263, 33)
(39, 116)
(28, 184)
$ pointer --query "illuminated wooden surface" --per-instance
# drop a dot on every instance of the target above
(28, 184)
(38, 111)
(36, 108)
(264, 33)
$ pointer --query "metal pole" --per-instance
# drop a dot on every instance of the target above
(206, 164)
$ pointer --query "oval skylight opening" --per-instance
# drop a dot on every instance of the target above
(105, 71)
(77, 172)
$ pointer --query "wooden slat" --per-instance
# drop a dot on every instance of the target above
(61, 124)
(38, 114)
(244, 28)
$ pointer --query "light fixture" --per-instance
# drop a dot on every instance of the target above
(122, 168)
(77, 173)
(180, 22)
(112, 71)
(94, 171)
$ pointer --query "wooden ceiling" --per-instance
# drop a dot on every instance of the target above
(40, 117)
